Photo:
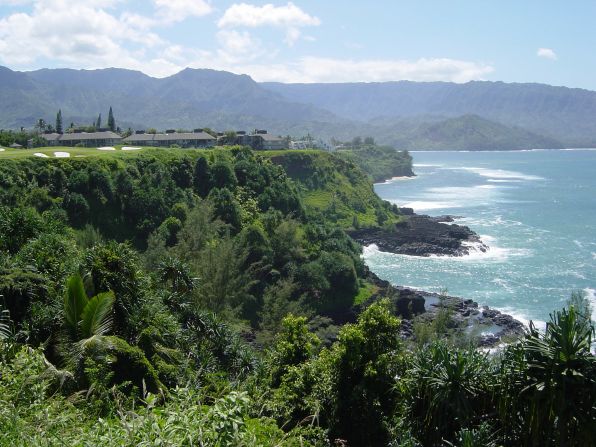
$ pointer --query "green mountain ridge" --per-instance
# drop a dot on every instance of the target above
(566, 114)
(468, 132)
(404, 114)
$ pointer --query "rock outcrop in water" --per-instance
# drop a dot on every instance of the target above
(421, 235)
(487, 327)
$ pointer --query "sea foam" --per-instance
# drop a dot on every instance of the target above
(591, 296)
(449, 197)
(498, 174)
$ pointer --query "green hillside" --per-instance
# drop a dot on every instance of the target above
(469, 132)
(335, 187)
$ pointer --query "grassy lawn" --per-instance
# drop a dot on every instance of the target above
(82, 152)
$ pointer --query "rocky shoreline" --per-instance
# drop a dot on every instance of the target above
(422, 235)
(487, 327)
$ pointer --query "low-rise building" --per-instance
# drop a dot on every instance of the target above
(258, 140)
(87, 139)
(198, 138)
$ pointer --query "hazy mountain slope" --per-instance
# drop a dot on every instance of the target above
(468, 132)
(562, 113)
(190, 98)
(406, 114)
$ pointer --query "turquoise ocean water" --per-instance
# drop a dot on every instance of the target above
(536, 210)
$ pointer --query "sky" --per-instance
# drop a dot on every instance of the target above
(547, 41)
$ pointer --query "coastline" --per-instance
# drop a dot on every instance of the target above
(485, 326)
(424, 236)
(421, 235)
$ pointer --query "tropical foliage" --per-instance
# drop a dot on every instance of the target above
(205, 298)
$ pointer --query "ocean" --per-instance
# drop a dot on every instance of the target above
(536, 210)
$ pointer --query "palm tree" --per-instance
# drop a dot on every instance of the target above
(86, 317)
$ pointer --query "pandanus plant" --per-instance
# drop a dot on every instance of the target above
(85, 317)
(4, 323)
(561, 382)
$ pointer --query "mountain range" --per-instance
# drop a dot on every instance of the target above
(410, 115)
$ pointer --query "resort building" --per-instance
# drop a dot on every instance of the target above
(197, 138)
(258, 140)
(87, 139)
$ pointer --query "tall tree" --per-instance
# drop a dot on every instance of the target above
(111, 120)
(98, 124)
(40, 125)
(59, 122)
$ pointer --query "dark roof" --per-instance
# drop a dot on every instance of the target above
(268, 137)
(187, 136)
(140, 137)
(107, 135)
(52, 136)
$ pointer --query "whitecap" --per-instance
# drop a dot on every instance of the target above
(522, 317)
(500, 180)
(447, 197)
(369, 250)
(591, 296)
(389, 181)
(504, 284)
(478, 252)
(498, 174)
(422, 205)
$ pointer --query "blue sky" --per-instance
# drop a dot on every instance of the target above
(551, 42)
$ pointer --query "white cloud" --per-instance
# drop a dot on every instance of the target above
(15, 2)
(237, 47)
(79, 34)
(172, 11)
(91, 34)
(243, 14)
(316, 69)
(546, 53)
(289, 17)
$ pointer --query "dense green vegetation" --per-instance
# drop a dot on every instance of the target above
(380, 162)
(336, 187)
(199, 298)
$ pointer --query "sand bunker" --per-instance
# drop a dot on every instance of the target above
(2, 149)
(39, 154)
(129, 148)
(61, 154)
(106, 148)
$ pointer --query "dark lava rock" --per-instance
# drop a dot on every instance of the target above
(421, 235)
